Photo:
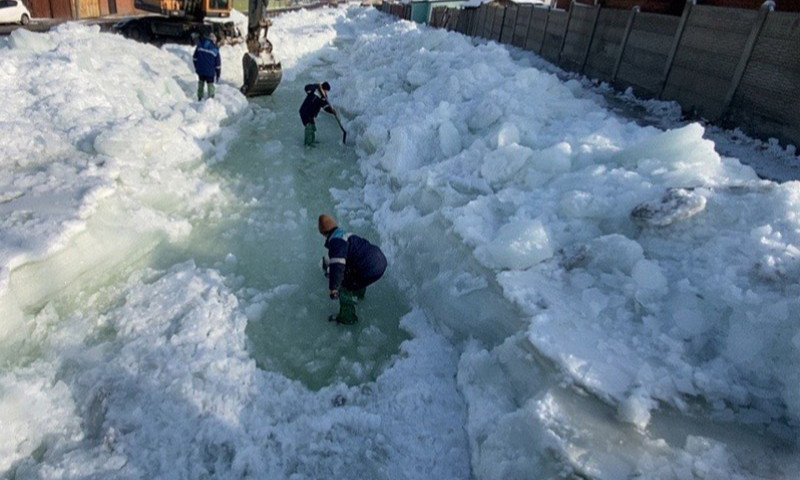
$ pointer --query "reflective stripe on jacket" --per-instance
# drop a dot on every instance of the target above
(207, 61)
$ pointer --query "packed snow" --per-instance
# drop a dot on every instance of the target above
(571, 294)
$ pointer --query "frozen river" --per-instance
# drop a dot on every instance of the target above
(569, 294)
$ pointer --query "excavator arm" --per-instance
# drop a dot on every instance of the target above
(184, 21)
(262, 72)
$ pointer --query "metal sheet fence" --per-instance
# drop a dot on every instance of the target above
(735, 67)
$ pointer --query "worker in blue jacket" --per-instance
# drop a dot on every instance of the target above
(316, 100)
(207, 65)
(352, 264)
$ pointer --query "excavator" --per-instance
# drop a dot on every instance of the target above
(185, 21)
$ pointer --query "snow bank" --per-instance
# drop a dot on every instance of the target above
(531, 226)
(165, 387)
(148, 375)
(650, 269)
(87, 117)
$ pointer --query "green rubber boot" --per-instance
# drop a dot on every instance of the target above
(200, 87)
(347, 308)
(310, 133)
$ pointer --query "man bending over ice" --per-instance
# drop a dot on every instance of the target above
(352, 264)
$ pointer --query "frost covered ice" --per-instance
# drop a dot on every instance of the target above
(570, 292)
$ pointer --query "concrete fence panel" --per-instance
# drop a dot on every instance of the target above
(465, 20)
(578, 39)
(706, 59)
(645, 56)
(497, 23)
(554, 35)
(489, 30)
(726, 64)
(524, 14)
(472, 26)
(537, 28)
(767, 101)
(509, 23)
(488, 21)
(607, 43)
(458, 25)
(480, 19)
(475, 21)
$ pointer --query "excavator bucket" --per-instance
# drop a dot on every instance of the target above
(262, 74)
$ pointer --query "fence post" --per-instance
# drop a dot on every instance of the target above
(591, 36)
(544, 35)
(490, 14)
(480, 23)
(502, 24)
(513, 25)
(622, 45)
(566, 30)
(755, 31)
(461, 20)
(687, 10)
(527, 28)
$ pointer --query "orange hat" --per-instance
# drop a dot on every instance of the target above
(326, 224)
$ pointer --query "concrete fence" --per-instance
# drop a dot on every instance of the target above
(735, 67)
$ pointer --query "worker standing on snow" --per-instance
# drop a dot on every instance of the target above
(316, 100)
(207, 65)
(352, 264)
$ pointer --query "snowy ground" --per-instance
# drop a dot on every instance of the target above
(580, 284)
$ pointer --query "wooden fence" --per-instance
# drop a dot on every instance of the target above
(732, 66)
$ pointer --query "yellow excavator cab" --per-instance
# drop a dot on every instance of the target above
(218, 8)
(197, 9)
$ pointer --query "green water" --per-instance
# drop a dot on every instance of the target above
(268, 247)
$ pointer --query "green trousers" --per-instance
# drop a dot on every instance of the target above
(310, 134)
(211, 89)
(347, 305)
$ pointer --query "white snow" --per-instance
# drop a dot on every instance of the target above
(586, 295)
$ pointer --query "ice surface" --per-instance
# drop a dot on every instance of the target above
(517, 246)
(569, 293)
(544, 193)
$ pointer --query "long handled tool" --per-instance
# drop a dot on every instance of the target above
(335, 114)
(339, 121)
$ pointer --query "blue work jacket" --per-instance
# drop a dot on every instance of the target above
(354, 258)
(207, 61)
